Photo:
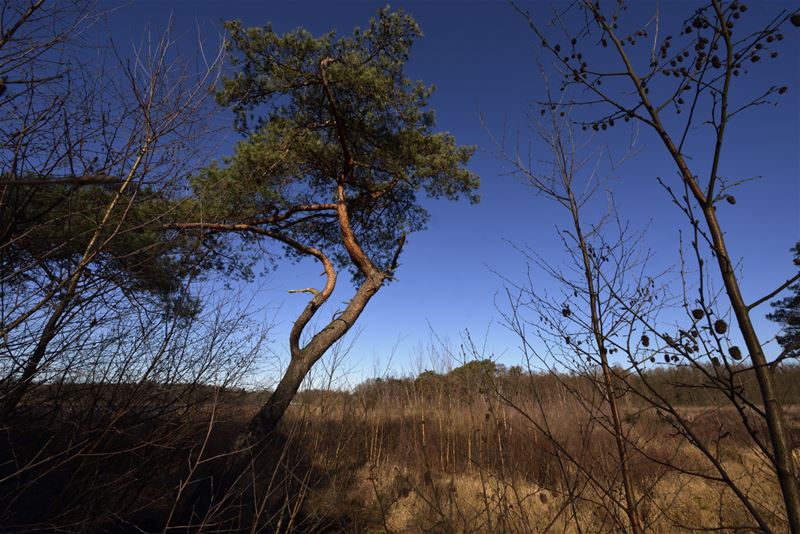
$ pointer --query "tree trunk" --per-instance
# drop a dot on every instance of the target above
(303, 359)
(270, 414)
(608, 384)
(781, 447)
(231, 480)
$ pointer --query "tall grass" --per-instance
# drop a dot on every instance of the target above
(478, 453)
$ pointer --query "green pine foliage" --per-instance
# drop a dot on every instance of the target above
(46, 229)
(787, 313)
(372, 129)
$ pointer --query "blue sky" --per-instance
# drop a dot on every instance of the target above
(482, 57)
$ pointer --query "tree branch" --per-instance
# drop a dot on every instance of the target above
(780, 288)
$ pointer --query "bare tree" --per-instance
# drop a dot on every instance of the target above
(586, 320)
(108, 354)
(691, 73)
(90, 163)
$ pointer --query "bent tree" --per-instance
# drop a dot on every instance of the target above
(339, 146)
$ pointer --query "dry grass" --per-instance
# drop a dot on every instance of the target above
(452, 462)
(436, 465)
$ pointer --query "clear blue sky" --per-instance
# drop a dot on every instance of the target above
(482, 57)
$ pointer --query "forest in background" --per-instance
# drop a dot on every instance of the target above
(124, 361)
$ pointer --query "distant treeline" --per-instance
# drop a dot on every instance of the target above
(680, 385)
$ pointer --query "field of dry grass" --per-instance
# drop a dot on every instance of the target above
(454, 463)
(397, 457)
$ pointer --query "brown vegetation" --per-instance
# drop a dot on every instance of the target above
(456, 452)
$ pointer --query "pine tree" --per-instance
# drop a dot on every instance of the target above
(787, 313)
(339, 149)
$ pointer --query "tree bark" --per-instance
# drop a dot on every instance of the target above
(304, 359)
